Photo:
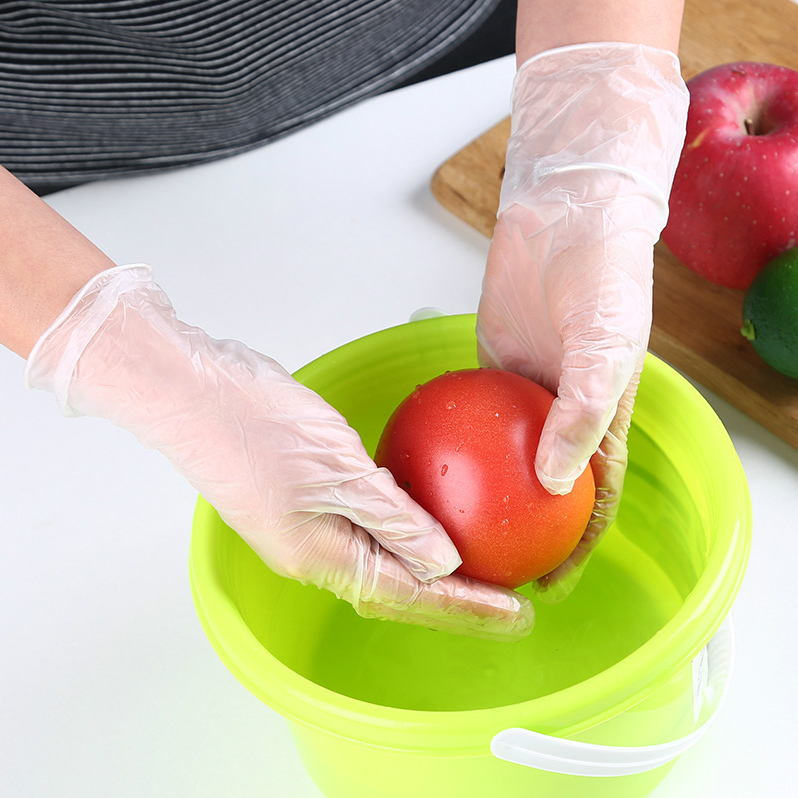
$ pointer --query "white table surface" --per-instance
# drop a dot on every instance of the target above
(108, 686)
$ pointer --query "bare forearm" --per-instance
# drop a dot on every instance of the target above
(44, 261)
(543, 25)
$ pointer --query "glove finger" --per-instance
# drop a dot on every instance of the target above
(341, 557)
(575, 425)
(377, 504)
(609, 469)
(599, 367)
(329, 471)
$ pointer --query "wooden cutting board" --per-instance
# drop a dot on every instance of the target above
(696, 323)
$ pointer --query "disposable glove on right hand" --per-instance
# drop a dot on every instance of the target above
(597, 130)
(280, 465)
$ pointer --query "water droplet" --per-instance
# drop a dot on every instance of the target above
(451, 405)
(444, 469)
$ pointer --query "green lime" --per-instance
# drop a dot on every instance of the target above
(770, 313)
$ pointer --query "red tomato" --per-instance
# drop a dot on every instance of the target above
(463, 446)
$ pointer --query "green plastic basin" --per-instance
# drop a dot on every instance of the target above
(385, 710)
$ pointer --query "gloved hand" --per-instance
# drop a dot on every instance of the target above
(279, 464)
(597, 131)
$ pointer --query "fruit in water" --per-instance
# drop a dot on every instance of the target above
(463, 446)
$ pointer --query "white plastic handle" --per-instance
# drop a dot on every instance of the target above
(559, 755)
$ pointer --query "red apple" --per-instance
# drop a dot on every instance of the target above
(734, 201)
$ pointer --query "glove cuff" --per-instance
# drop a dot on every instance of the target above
(608, 106)
(53, 360)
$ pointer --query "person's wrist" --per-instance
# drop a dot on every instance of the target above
(603, 54)
(53, 359)
(613, 107)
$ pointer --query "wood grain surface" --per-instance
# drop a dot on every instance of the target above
(696, 323)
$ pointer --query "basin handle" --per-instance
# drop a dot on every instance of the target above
(570, 757)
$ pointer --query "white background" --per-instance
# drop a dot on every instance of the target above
(108, 686)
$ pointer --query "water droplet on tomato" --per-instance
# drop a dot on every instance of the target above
(444, 469)
(451, 405)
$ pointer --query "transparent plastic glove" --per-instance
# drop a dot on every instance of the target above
(278, 463)
(596, 135)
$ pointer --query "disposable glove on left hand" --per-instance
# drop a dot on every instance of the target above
(597, 130)
(280, 465)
